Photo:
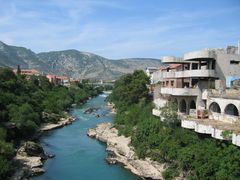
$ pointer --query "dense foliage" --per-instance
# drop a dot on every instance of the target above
(22, 103)
(196, 156)
(130, 89)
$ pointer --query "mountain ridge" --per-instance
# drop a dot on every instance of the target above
(71, 62)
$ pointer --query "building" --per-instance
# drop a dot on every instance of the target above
(59, 80)
(64, 80)
(28, 72)
(149, 71)
(198, 84)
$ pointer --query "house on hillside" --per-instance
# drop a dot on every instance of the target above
(28, 72)
(59, 80)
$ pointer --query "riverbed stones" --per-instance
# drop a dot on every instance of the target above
(90, 110)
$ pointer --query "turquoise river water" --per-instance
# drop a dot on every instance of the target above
(77, 155)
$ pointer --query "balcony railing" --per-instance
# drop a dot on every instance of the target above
(180, 91)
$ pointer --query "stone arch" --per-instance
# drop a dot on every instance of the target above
(192, 105)
(231, 109)
(183, 106)
(214, 107)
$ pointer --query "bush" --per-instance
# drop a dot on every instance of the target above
(170, 173)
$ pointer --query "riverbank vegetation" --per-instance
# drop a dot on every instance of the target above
(194, 155)
(22, 103)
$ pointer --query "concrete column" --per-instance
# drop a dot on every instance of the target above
(187, 107)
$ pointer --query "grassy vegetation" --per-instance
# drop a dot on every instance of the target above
(22, 101)
(197, 156)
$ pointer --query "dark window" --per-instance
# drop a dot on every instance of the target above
(234, 62)
(231, 110)
(214, 107)
(183, 106)
(194, 65)
(192, 105)
(213, 64)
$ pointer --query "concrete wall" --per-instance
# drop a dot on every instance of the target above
(224, 68)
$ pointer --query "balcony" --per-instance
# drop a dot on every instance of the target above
(195, 73)
(187, 73)
(180, 91)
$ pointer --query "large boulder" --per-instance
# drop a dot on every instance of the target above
(32, 149)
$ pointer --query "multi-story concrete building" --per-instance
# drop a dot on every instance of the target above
(201, 83)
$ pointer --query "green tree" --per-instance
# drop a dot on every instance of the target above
(25, 118)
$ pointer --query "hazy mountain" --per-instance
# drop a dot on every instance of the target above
(72, 62)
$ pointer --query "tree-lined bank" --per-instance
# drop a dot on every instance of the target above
(187, 153)
(22, 103)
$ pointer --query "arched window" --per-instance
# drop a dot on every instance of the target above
(192, 105)
(214, 107)
(183, 106)
(231, 109)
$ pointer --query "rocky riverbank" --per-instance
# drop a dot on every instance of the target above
(112, 107)
(62, 122)
(120, 151)
(29, 159)
(30, 156)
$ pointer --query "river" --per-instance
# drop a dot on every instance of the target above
(77, 155)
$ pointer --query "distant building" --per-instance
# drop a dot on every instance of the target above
(149, 71)
(59, 80)
(28, 72)
(73, 80)
(198, 83)
(64, 80)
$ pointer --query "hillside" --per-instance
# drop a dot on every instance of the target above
(72, 63)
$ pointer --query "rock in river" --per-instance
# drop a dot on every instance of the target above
(91, 110)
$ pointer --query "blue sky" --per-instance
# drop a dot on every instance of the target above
(120, 28)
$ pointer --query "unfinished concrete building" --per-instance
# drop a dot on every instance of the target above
(204, 85)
